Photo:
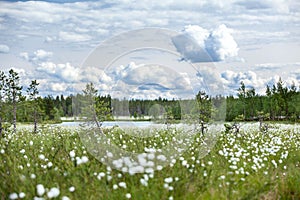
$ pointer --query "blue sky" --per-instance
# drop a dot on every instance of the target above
(50, 40)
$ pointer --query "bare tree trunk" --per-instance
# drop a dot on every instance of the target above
(97, 122)
(35, 121)
(0, 127)
(15, 116)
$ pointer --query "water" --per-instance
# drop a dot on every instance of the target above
(139, 124)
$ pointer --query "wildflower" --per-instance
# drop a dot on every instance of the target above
(22, 195)
(149, 170)
(40, 189)
(81, 160)
(169, 180)
(49, 164)
(274, 163)
(128, 195)
(42, 157)
(13, 196)
(161, 157)
(184, 163)
(72, 189)
(72, 154)
(38, 198)
(115, 186)
(65, 198)
(109, 154)
(151, 156)
(122, 184)
(109, 178)
(84, 159)
(54, 192)
(22, 151)
(143, 182)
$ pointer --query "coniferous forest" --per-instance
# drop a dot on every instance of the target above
(18, 104)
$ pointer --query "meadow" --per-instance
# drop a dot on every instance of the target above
(55, 164)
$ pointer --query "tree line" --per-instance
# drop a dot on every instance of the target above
(280, 102)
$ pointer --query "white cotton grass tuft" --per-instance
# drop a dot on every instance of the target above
(53, 192)
(128, 196)
(42, 157)
(169, 180)
(50, 164)
(72, 189)
(32, 176)
(40, 189)
(115, 186)
(82, 160)
(13, 196)
(72, 154)
(22, 195)
(144, 182)
(122, 184)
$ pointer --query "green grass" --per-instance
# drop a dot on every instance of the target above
(218, 175)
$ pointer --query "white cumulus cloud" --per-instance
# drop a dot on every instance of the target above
(65, 72)
(200, 45)
(4, 48)
(41, 55)
(232, 80)
(37, 56)
(73, 37)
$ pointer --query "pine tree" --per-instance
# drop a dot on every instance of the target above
(2, 86)
(13, 92)
(93, 108)
(32, 92)
(242, 97)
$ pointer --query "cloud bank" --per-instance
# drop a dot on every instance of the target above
(197, 44)
(232, 80)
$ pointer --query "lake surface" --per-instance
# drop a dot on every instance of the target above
(112, 123)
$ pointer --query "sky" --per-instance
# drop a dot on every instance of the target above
(209, 45)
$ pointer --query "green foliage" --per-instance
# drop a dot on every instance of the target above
(280, 103)
(247, 165)
(2, 86)
(91, 107)
(32, 93)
